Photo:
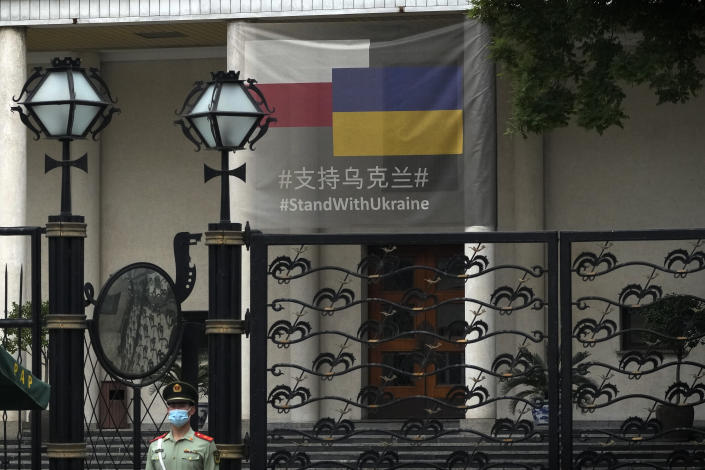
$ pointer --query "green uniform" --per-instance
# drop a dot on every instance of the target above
(195, 451)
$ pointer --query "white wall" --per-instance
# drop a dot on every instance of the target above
(152, 180)
(647, 175)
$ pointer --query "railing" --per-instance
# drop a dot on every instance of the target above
(348, 330)
(122, 416)
(635, 302)
(433, 350)
(14, 454)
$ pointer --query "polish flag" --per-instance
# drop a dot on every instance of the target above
(296, 76)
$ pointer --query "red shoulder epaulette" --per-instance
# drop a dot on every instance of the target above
(159, 437)
(203, 436)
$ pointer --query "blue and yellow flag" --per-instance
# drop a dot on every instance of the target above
(397, 111)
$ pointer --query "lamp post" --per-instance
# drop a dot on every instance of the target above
(223, 114)
(65, 102)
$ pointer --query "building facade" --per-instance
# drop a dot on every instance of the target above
(144, 181)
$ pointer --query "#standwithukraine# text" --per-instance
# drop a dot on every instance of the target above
(352, 204)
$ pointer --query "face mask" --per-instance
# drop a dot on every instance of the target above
(178, 417)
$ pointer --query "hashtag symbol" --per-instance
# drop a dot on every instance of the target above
(421, 177)
(285, 179)
(283, 205)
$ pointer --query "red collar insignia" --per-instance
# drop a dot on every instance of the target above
(159, 437)
(203, 436)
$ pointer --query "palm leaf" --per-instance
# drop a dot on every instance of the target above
(533, 384)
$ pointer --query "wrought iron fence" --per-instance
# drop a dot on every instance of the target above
(121, 417)
(636, 302)
(436, 351)
(21, 336)
(404, 351)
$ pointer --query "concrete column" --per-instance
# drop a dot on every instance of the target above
(529, 216)
(301, 353)
(241, 196)
(13, 162)
(528, 183)
(305, 352)
(480, 194)
(13, 169)
(481, 354)
(348, 320)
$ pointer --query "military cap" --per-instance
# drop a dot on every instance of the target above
(180, 391)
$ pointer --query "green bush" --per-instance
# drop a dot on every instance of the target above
(20, 339)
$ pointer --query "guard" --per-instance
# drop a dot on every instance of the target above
(182, 448)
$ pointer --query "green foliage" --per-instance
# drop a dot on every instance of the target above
(533, 382)
(21, 338)
(574, 58)
(675, 316)
(681, 318)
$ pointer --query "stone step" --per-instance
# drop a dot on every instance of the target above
(113, 450)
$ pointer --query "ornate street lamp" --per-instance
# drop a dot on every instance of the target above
(65, 102)
(223, 114)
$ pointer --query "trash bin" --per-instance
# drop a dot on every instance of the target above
(112, 409)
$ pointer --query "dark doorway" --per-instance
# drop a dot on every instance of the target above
(418, 354)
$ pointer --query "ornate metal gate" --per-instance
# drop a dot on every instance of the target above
(635, 302)
(434, 351)
(139, 305)
(330, 363)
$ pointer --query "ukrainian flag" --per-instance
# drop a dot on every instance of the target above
(397, 111)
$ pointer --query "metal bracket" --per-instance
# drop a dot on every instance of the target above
(248, 322)
(88, 294)
(66, 450)
(231, 451)
(225, 237)
(185, 270)
(225, 326)
(247, 236)
(66, 322)
(246, 442)
(66, 229)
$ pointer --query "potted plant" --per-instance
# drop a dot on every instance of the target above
(678, 322)
(532, 383)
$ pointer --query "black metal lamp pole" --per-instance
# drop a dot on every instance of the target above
(224, 328)
(90, 109)
(203, 112)
(66, 322)
(65, 177)
(224, 189)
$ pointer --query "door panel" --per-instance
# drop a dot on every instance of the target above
(419, 354)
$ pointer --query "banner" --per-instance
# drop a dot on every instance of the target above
(379, 124)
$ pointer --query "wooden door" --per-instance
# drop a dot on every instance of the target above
(418, 354)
